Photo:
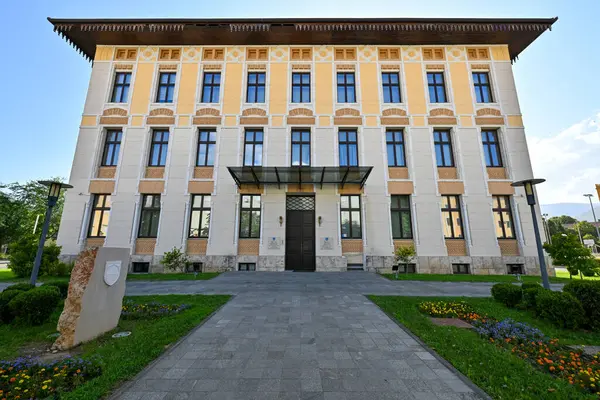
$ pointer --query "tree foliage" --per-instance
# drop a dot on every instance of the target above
(20, 205)
(404, 255)
(176, 260)
(567, 250)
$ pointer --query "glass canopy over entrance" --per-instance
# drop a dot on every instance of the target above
(299, 175)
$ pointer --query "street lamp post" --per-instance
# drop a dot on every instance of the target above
(546, 228)
(53, 193)
(528, 184)
(589, 196)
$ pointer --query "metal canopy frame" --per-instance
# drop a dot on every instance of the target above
(254, 175)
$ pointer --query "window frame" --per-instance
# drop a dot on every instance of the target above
(203, 211)
(212, 85)
(154, 211)
(437, 85)
(442, 143)
(207, 144)
(163, 146)
(479, 87)
(257, 85)
(350, 210)
(124, 86)
(145, 270)
(347, 143)
(456, 269)
(170, 87)
(498, 210)
(515, 265)
(399, 211)
(103, 211)
(254, 143)
(347, 86)
(487, 147)
(250, 210)
(395, 143)
(301, 86)
(247, 266)
(452, 211)
(389, 86)
(116, 148)
(300, 143)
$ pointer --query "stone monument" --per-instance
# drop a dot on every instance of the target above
(96, 290)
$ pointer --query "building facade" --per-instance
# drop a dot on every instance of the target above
(303, 145)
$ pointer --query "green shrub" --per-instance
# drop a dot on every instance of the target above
(560, 308)
(59, 268)
(529, 296)
(588, 293)
(507, 293)
(20, 286)
(62, 286)
(22, 254)
(35, 306)
(5, 297)
(529, 285)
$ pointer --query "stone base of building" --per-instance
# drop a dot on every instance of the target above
(379, 264)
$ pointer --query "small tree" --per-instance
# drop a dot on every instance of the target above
(176, 260)
(404, 255)
(567, 250)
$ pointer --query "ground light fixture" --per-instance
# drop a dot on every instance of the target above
(528, 184)
(589, 196)
(53, 194)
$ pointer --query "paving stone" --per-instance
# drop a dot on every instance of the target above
(298, 336)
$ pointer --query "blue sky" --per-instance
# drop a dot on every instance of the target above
(45, 80)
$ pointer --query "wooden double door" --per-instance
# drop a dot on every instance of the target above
(300, 233)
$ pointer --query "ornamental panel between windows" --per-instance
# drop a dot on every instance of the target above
(300, 203)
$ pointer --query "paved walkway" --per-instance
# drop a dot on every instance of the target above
(301, 345)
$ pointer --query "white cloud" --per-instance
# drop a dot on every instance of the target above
(569, 160)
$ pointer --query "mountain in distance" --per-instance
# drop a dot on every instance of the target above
(579, 211)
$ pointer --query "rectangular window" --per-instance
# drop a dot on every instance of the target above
(350, 216)
(166, 87)
(405, 268)
(483, 90)
(513, 269)
(200, 216)
(99, 216)
(348, 147)
(207, 139)
(120, 91)
(210, 87)
(247, 267)
(300, 87)
(437, 87)
(158, 148)
(460, 269)
(253, 147)
(250, 216)
(300, 147)
(140, 267)
(197, 267)
(149, 216)
(346, 91)
(394, 139)
(401, 219)
(452, 216)
(491, 148)
(443, 148)
(256, 87)
(391, 87)
(503, 217)
(112, 146)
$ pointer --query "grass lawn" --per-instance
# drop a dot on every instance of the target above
(472, 278)
(498, 372)
(125, 357)
(173, 277)
(6, 275)
(564, 274)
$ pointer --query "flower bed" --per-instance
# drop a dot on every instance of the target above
(132, 310)
(527, 343)
(25, 378)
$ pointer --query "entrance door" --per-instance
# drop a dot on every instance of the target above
(300, 233)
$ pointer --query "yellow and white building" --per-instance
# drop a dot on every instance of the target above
(303, 144)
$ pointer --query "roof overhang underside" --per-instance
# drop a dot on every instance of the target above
(299, 175)
(86, 34)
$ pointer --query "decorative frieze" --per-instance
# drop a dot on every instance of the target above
(127, 54)
(478, 53)
(169, 54)
(389, 53)
(213, 54)
(434, 54)
(345, 54)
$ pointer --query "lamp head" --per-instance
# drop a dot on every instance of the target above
(54, 188)
(528, 185)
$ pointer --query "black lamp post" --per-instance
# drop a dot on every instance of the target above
(53, 193)
(589, 196)
(530, 194)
